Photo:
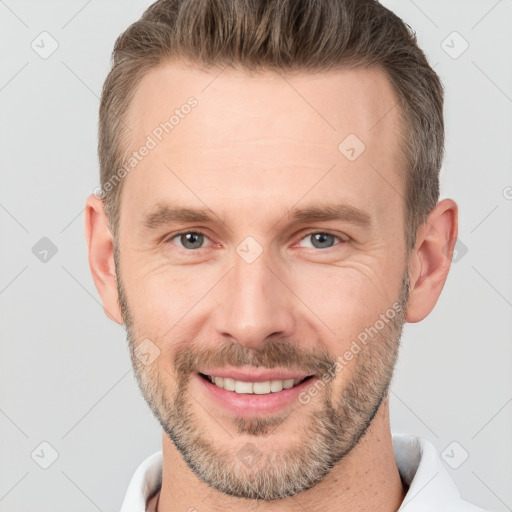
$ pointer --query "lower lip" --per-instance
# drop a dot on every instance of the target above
(245, 404)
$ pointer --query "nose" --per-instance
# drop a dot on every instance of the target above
(255, 304)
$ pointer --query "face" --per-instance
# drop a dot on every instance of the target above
(295, 263)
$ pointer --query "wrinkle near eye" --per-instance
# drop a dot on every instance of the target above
(373, 273)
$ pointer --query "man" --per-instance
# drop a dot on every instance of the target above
(268, 220)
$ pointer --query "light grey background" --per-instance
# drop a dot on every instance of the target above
(65, 372)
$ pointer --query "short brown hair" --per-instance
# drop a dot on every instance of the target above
(282, 35)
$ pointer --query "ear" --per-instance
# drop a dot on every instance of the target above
(431, 259)
(101, 256)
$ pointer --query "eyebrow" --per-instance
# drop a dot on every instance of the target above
(343, 212)
(164, 214)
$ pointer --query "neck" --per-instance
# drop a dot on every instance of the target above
(367, 479)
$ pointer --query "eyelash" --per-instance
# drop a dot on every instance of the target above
(314, 232)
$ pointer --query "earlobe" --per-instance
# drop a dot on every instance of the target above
(431, 259)
(101, 256)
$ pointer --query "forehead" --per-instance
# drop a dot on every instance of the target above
(335, 101)
(270, 133)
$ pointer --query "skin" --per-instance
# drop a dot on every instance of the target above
(255, 141)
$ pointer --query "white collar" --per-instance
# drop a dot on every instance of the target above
(431, 488)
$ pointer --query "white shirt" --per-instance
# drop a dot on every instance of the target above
(431, 488)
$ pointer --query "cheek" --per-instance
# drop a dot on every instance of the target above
(160, 296)
(346, 300)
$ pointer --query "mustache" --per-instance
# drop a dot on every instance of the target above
(278, 354)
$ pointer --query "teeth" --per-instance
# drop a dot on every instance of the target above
(229, 384)
(243, 387)
(256, 388)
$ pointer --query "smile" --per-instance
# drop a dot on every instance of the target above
(256, 388)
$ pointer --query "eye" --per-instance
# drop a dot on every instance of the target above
(322, 240)
(190, 239)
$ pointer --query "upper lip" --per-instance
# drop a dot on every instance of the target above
(254, 375)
